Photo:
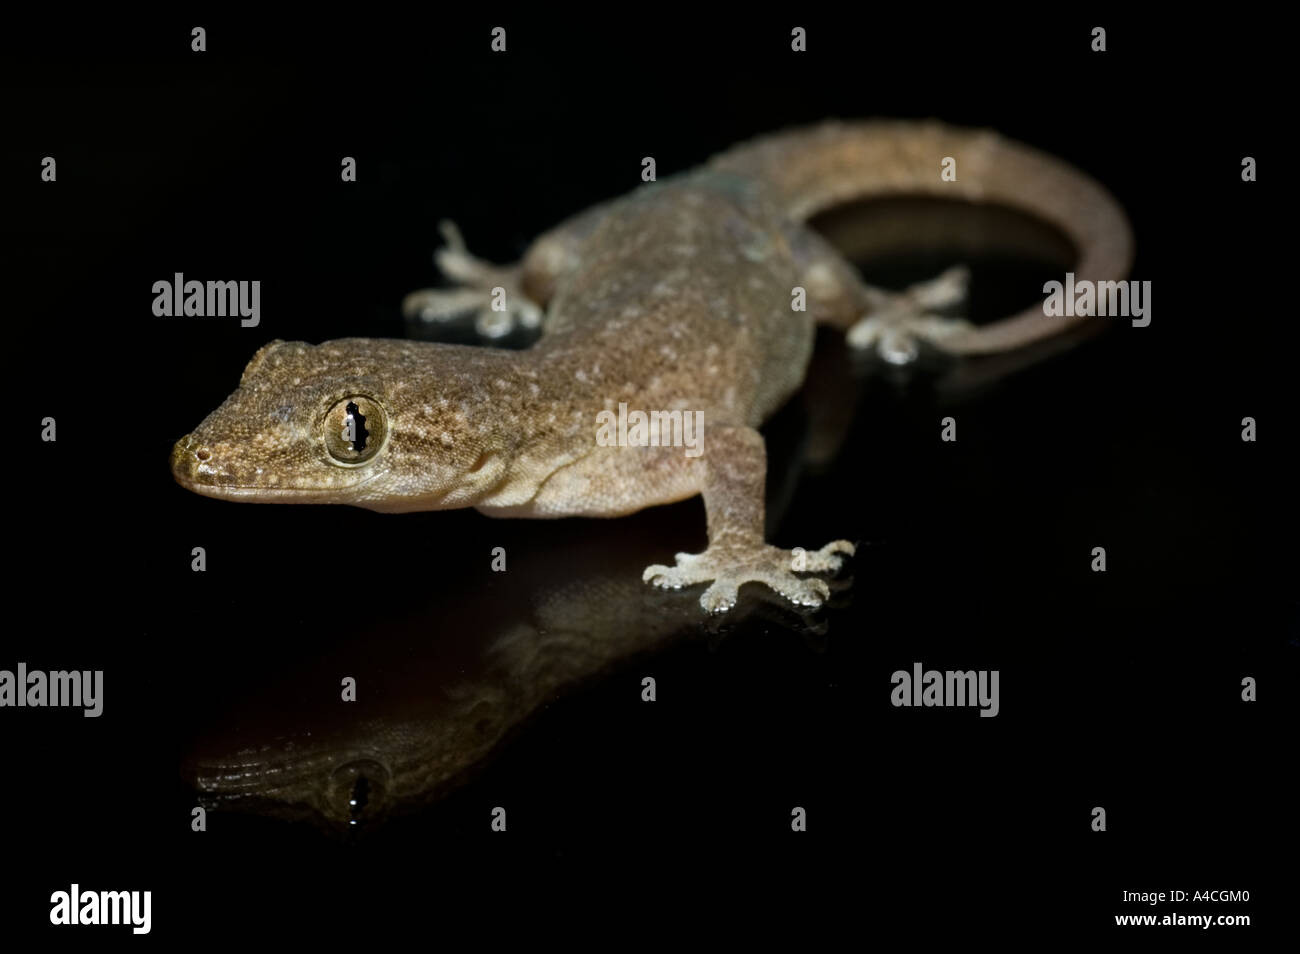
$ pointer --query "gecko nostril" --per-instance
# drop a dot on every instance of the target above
(203, 454)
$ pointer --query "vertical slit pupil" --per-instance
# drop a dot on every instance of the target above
(360, 796)
(359, 426)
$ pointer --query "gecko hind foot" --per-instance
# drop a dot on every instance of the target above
(897, 321)
(478, 284)
(727, 568)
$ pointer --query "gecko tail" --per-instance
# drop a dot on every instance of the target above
(836, 163)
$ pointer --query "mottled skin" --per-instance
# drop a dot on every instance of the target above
(678, 296)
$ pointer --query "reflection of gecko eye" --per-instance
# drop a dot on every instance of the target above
(355, 429)
(357, 790)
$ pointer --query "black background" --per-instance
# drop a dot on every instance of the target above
(1119, 689)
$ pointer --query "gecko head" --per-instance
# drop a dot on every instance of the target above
(388, 425)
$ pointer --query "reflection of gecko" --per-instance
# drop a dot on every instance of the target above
(437, 710)
(678, 297)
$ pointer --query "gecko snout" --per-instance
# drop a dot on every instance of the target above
(204, 468)
(187, 457)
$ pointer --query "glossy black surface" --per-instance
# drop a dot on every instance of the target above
(1119, 689)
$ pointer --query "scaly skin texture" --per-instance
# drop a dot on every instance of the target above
(677, 297)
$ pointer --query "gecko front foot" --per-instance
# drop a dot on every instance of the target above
(897, 321)
(728, 567)
(492, 293)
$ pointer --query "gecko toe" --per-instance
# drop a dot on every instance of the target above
(658, 575)
(828, 559)
(720, 597)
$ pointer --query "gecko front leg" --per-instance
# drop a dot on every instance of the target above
(733, 473)
(481, 285)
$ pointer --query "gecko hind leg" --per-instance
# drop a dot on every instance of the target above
(896, 321)
(734, 473)
(481, 285)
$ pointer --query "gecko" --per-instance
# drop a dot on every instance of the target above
(681, 296)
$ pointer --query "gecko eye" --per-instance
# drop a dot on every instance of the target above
(355, 429)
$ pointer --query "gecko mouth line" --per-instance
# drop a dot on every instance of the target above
(183, 465)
